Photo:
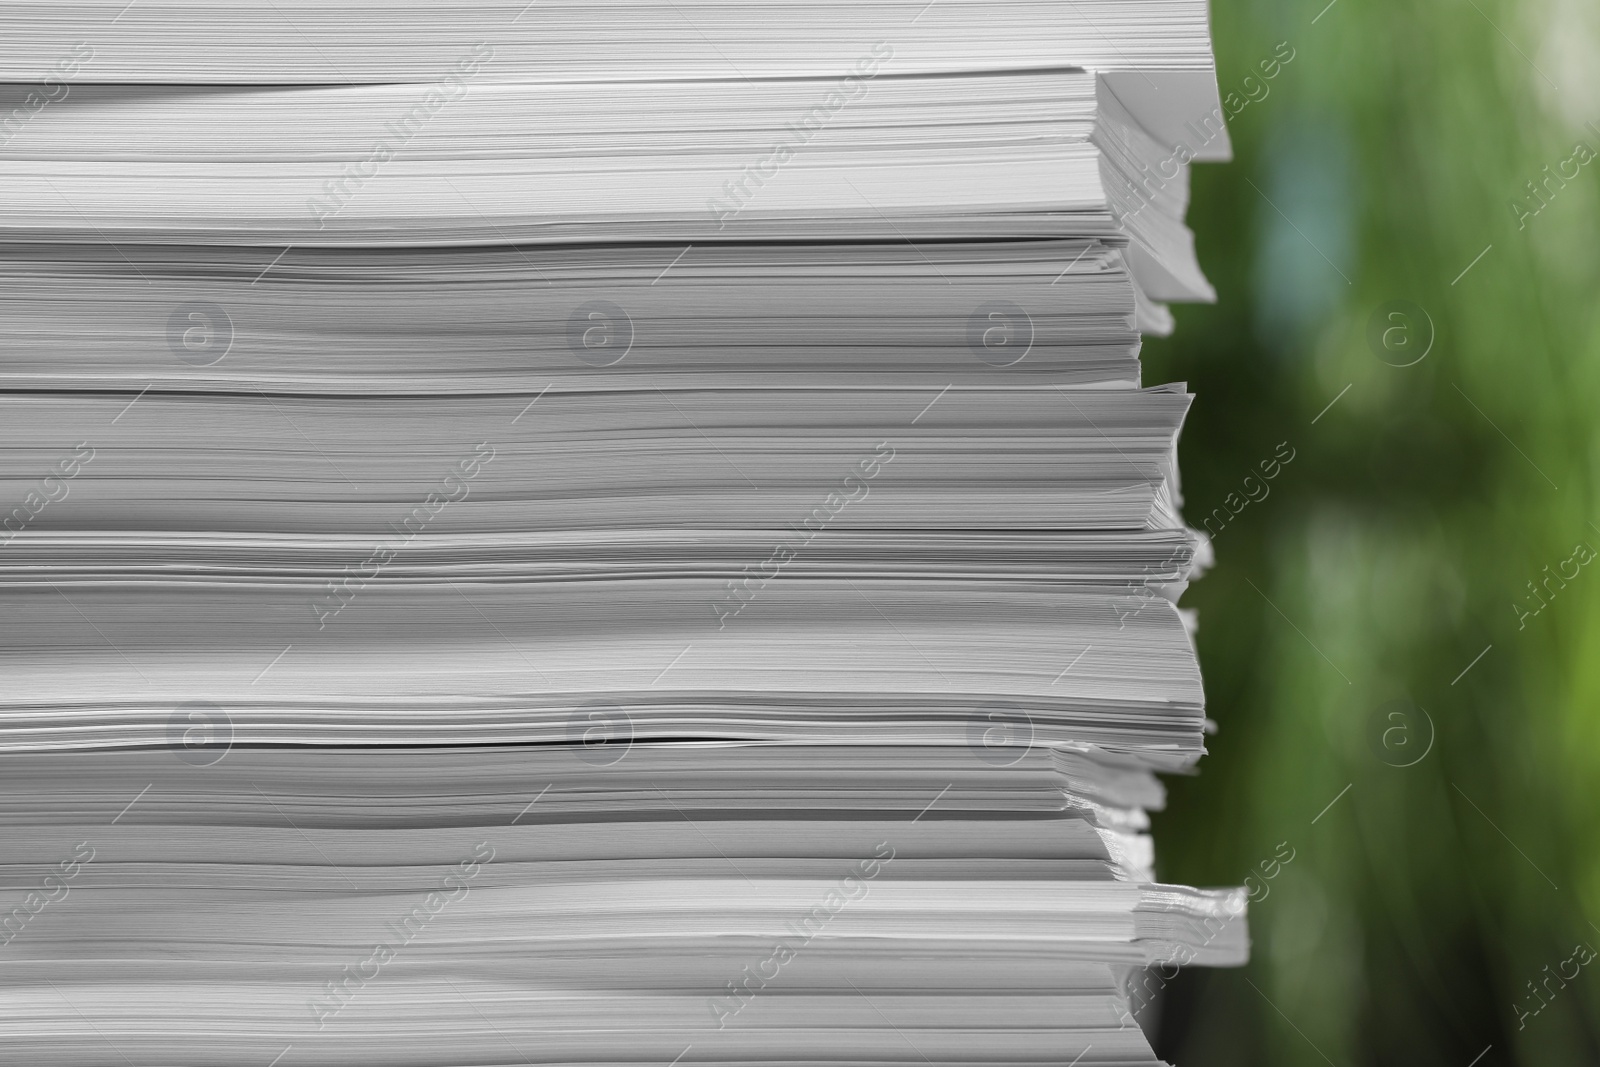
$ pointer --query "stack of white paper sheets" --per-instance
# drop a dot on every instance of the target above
(605, 533)
(1021, 154)
(1155, 53)
(733, 903)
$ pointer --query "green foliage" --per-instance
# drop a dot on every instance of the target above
(1401, 542)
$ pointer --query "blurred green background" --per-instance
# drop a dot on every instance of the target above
(1432, 913)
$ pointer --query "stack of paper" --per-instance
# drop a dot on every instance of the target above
(596, 905)
(607, 533)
